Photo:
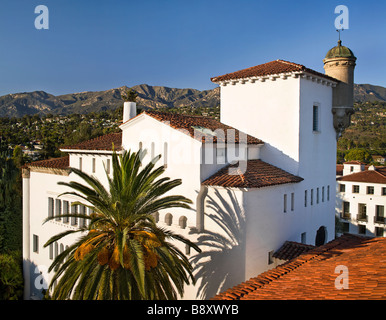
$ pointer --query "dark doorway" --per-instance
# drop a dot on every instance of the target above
(320, 238)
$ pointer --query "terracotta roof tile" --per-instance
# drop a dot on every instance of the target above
(312, 275)
(371, 176)
(258, 174)
(200, 127)
(269, 68)
(291, 249)
(104, 143)
(56, 163)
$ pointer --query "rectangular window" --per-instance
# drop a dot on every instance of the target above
(355, 189)
(384, 191)
(285, 203)
(370, 190)
(322, 194)
(362, 212)
(66, 210)
(58, 209)
(108, 166)
(35, 243)
(80, 163)
(379, 231)
(51, 254)
(74, 210)
(303, 237)
(50, 207)
(317, 195)
(315, 119)
(346, 207)
(328, 193)
(342, 188)
(93, 165)
(82, 221)
(312, 197)
(165, 154)
(292, 201)
(270, 257)
(220, 155)
(361, 229)
(305, 198)
(346, 227)
(380, 212)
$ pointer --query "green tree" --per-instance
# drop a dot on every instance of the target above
(358, 154)
(11, 276)
(122, 253)
(10, 202)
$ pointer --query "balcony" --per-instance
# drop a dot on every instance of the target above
(362, 217)
(381, 220)
(345, 215)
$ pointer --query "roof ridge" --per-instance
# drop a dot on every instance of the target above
(292, 63)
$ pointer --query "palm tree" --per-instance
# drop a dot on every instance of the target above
(122, 253)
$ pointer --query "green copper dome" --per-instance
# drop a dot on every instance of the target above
(340, 52)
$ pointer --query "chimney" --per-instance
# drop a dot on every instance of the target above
(129, 110)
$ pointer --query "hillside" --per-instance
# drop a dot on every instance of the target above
(42, 103)
(369, 93)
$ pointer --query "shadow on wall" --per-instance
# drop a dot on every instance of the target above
(221, 264)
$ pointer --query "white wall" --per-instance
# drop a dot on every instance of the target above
(269, 111)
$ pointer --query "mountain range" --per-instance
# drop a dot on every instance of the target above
(40, 102)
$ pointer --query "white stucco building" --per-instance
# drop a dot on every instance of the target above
(262, 175)
(361, 199)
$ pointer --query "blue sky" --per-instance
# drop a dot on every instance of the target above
(99, 45)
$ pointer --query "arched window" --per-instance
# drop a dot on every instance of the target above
(321, 236)
(169, 219)
(156, 216)
(182, 222)
(165, 154)
(152, 150)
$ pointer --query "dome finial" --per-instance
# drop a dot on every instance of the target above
(339, 41)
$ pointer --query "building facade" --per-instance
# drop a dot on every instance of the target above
(251, 175)
(361, 199)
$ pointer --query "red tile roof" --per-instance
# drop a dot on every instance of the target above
(369, 176)
(312, 275)
(193, 124)
(353, 162)
(291, 249)
(258, 174)
(104, 143)
(269, 68)
(56, 163)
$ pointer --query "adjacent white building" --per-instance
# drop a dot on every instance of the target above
(262, 175)
(361, 199)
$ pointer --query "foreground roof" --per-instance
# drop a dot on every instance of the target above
(201, 128)
(258, 174)
(270, 68)
(313, 275)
